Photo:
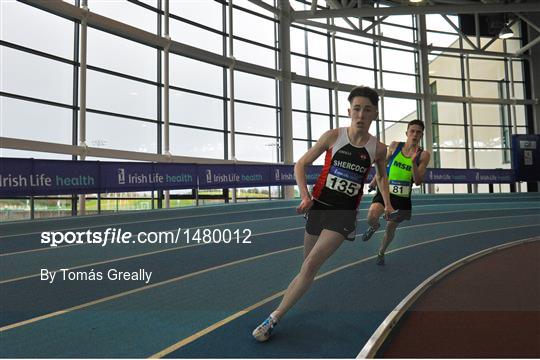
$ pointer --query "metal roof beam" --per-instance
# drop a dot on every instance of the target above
(334, 3)
(418, 10)
(353, 32)
(265, 6)
(528, 46)
(463, 36)
(495, 38)
(405, 43)
(529, 22)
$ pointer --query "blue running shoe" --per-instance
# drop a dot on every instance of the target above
(264, 330)
(369, 232)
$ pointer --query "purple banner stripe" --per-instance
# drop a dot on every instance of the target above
(31, 177)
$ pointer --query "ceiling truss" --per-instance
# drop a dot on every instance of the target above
(352, 11)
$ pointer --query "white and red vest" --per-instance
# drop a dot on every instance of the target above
(345, 169)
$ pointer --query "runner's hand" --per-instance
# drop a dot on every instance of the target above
(416, 153)
(305, 205)
(387, 211)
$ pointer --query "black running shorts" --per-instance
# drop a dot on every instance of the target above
(321, 216)
(398, 203)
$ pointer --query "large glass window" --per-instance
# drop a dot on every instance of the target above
(358, 76)
(490, 159)
(319, 99)
(486, 89)
(204, 12)
(446, 65)
(448, 86)
(397, 60)
(398, 82)
(299, 123)
(127, 12)
(486, 69)
(397, 109)
(395, 131)
(35, 76)
(121, 55)
(317, 45)
(299, 97)
(196, 110)
(440, 32)
(123, 96)
(142, 135)
(318, 69)
(32, 154)
(199, 97)
(254, 54)
(484, 114)
(255, 148)
(34, 121)
(520, 115)
(344, 103)
(488, 137)
(254, 88)
(354, 53)
(253, 27)
(451, 136)
(298, 65)
(397, 32)
(255, 119)
(196, 75)
(298, 43)
(442, 40)
(299, 149)
(319, 125)
(194, 142)
(195, 36)
(448, 113)
(46, 32)
(452, 158)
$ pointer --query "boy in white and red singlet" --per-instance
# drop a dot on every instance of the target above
(331, 208)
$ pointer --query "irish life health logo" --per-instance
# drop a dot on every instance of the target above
(121, 176)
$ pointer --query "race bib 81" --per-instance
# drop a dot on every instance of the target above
(400, 188)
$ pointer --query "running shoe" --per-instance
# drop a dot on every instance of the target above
(380, 259)
(369, 232)
(264, 330)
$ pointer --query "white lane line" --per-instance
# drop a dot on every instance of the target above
(385, 328)
(133, 291)
(151, 220)
(242, 312)
(215, 214)
(255, 235)
(49, 248)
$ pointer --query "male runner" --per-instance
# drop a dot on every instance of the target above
(331, 208)
(407, 163)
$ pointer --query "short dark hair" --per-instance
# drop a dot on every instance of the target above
(364, 91)
(416, 122)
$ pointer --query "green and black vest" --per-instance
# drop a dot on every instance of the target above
(400, 175)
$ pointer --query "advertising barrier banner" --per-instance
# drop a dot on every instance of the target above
(31, 177)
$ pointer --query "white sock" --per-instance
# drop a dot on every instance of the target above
(274, 318)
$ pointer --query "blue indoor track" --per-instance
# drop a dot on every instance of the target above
(204, 300)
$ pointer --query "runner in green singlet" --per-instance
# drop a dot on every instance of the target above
(407, 164)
